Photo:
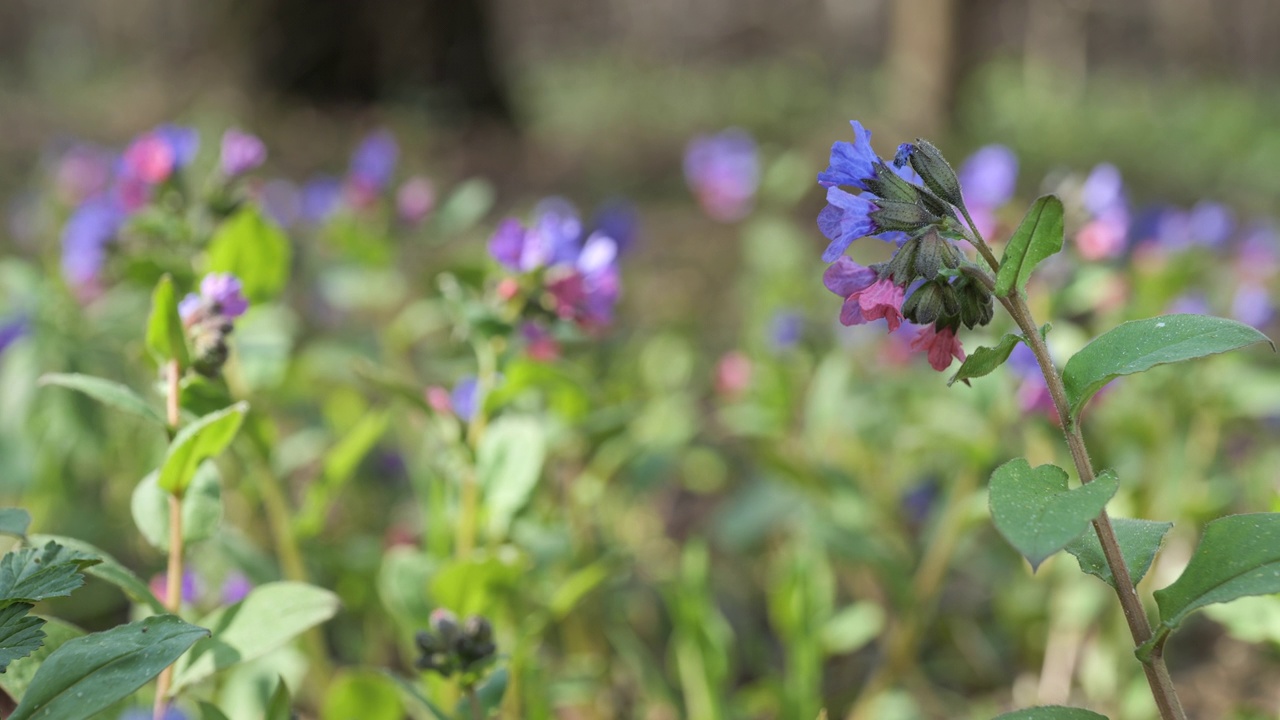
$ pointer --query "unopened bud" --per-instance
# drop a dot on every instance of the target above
(934, 169)
(889, 185)
(903, 216)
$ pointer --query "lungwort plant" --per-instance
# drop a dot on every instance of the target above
(934, 285)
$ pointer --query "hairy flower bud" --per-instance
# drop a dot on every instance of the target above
(976, 305)
(888, 185)
(903, 216)
(931, 302)
(933, 168)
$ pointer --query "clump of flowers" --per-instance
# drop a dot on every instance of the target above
(451, 647)
(208, 317)
(723, 171)
(913, 203)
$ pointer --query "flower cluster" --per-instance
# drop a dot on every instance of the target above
(913, 203)
(451, 647)
(208, 318)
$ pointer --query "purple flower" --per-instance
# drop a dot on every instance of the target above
(85, 237)
(464, 396)
(785, 329)
(1189, 304)
(553, 239)
(1022, 362)
(235, 587)
(1211, 224)
(723, 170)
(1173, 230)
(989, 177)
(241, 152)
(587, 291)
(83, 171)
(170, 713)
(1102, 189)
(851, 163)
(222, 293)
(374, 161)
(1252, 305)
(191, 586)
(320, 197)
(153, 156)
(619, 220)
(415, 199)
(282, 201)
(848, 279)
(182, 141)
(1259, 252)
(845, 219)
(11, 330)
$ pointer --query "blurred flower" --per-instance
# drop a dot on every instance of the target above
(415, 199)
(1190, 303)
(373, 164)
(588, 291)
(182, 141)
(85, 237)
(785, 329)
(539, 343)
(865, 297)
(149, 158)
(1107, 232)
(241, 152)
(83, 171)
(1103, 189)
(11, 330)
(733, 374)
(1252, 305)
(170, 713)
(988, 177)
(552, 239)
(320, 198)
(940, 346)
(191, 586)
(438, 399)
(220, 293)
(919, 500)
(723, 170)
(208, 319)
(1258, 256)
(1173, 230)
(1211, 224)
(619, 220)
(1102, 237)
(235, 587)
(463, 398)
(282, 201)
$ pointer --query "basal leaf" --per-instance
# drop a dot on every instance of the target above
(1038, 236)
(166, 339)
(1140, 540)
(1052, 712)
(984, 360)
(20, 633)
(255, 250)
(1140, 345)
(36, 573)
(1033, 509)
(106, 392)
(91, 673)
(201, 440)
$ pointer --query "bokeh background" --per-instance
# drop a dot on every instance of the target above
(814, 536)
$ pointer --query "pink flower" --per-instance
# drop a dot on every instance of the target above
(415, 199)
(882, 300)
(1103, 237)
(865, 298)
(941, 346)
(149, 158)
(733, 374)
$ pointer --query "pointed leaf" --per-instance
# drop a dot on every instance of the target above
(1140, 540)
(20, 633)
(201, 440)
(109, 569)
(106, 392)
(279, 706)
(1140, 345)
(210, 712)
(254, 249)
(1038, 236)
(1052, 712)
(17, 678)
(89, 674)
(1033, 509)
(509, 463)
(33, 574)
(201, 507)
(165, 337)
(15, 522)
(984, 360)
(270, 616)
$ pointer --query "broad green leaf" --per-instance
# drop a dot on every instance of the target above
(166, 340)
(201, 507)
(110, 570)
(18, 677)
(465, 206)
(210, 712)
(279, 707)
(362, 695)
(270, 616)
(1140, 345)
(1238, 556)
(1052, 712)
(1033, 509)
(986, 359)
(1038, 236)
(403, 581)
(15, 522)
(509, 463)
(202, 440)
(488, 696)
(1140, 540)
(106, 392)
(852, 627)
(91, 673)
(36, 573)
(254, 249)
(414, 692)
(20, 633)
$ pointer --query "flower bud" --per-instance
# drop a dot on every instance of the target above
(475, 645)
(904, 216)
(890, 186)
(902, 266)
(932, 301)
(933, 168)
(976, 305)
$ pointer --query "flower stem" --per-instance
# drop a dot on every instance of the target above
(173, 574)
(1135, 614)
(469, 501)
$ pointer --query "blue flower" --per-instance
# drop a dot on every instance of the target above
(988, 177)
(785, 329)
(320, 197)
(374, 161)
(723, 170)
(85, 237)
(464, 396)
(851, 163)
(845, 219)
(11, 330)
(1211, 223)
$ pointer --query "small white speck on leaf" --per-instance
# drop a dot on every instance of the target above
(1159, 324)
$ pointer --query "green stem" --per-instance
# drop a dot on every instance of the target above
(1135, 614)
(173, 577)
(469, 500)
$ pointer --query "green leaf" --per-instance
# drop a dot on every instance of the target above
(201, 440)
(1140, 540)
(1038, 236)
(254, 249)
(279, 706)
(403, 581)
(1033, 509)
(165, 337)
(108, 569)
(1140, 345)
(509, 463)
(488, 695)
(33, 574)
(106, 392)
(1052, 712)
(201, 507)
(15, 522)
(1238, 556)
(984, 360)
(20, 633)
(340, 465)
(465, 207)
(411, 689)
(210, 712)
(270, 616)
(362, 695)
(89, 674)
(17, 678)
(852, 628)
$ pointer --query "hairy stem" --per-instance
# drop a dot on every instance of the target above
(173, 573)
(1135, 614)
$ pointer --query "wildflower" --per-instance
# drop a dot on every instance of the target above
(988, 179)
(587, 292)
(1211, 224)
(941, 345)
(83, 172)
(785, 330)
(220, 293)
(191, 586)
(539, 343)
(464, 397)
(733, 374)
(851, 163)
(1102, 190)
(450, 646)
(154, 156)
(1258, 254)
(415, 199)
(241, 152)
(438, 399)
(723, 170)
(235, 587)
(372, 166)
(845, 219)
(320, 197)
(619, 220)
(848, 279)
(1107, 232)
(85, 237)
(1252, 305)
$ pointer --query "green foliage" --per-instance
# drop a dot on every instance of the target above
(254, 249)
(362, 695)
(108, 569)
(166, 339)
(88, 674)
(985, 360)
(15, 522)
(20, 633)
(488, 696)
(508, 464)
(1140, 540)
(202, 440)
(17, 678)
(1035, 511)
(201, 507)
(33, 574)
(1140, 345)
(106, 392)
(279, 707)
(1038, 236)
(1052, 712)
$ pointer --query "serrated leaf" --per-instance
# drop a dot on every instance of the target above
(17, 678)
(110, 570)
(270, 616)
(106, 392)
(20, 633)
(509, 463)
(984, 360)
(254, 249)
(1035, 511)
(201, 507)
(166, 339)
(88, 674)
(202, 440)
(1139, 540)
(34, 574)
(1052, 712)
(1140, 345)
(15, 522)
(1038, 236)
(1238, 556)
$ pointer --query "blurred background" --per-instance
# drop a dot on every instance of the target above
(789, 529)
